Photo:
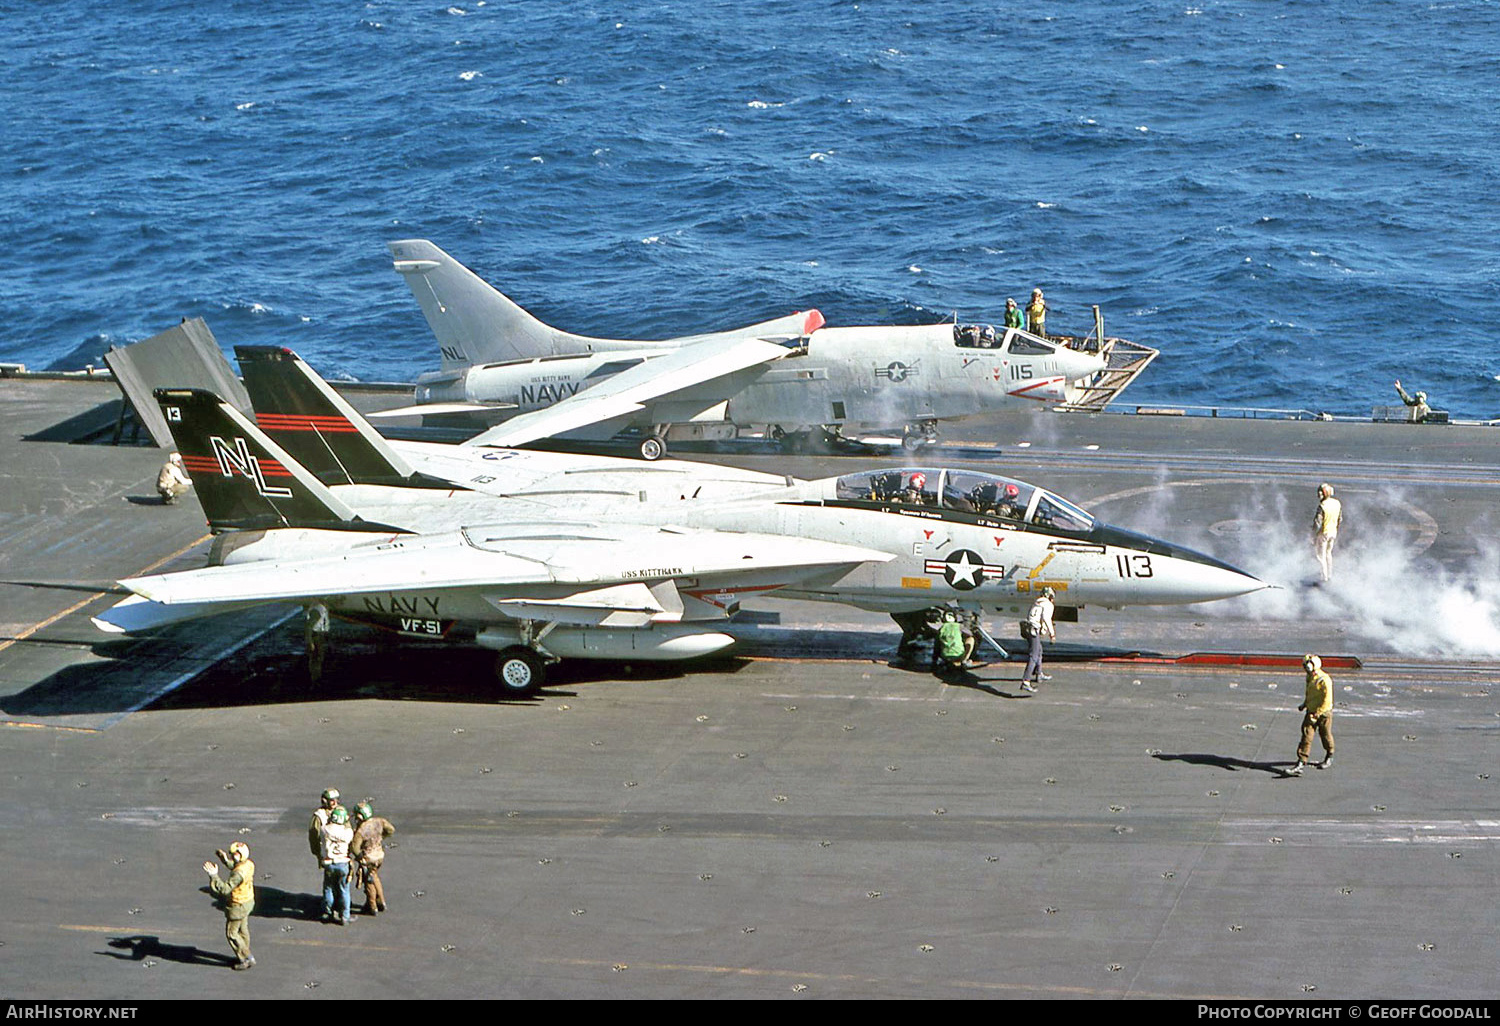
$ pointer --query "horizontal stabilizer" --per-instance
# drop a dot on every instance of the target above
(136, 615)
(92, 587)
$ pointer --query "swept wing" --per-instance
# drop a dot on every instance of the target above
(568, 573)
(629, 391)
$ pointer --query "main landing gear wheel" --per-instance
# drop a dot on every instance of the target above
(917, 436)
(653, 447)
(519, 671)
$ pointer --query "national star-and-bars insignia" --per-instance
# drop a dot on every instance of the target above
(964, 570)
(898, 371)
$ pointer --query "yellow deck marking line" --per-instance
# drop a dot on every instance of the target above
(28, 632)
(46, 726)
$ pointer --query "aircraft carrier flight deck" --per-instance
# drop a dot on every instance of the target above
(805, 817)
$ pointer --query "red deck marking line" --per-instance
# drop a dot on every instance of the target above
(1265, 659)
(1336, 662)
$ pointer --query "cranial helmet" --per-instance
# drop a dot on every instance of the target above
(1325, 490)
(1312, 662)
(1421, 397)
(239, 851)
(1048, 593)
(339, 815)
(364, 810)
(331, 794)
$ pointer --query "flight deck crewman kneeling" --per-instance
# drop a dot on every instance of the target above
(949, 655)
(172, 481)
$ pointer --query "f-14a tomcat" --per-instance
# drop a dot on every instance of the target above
(793, 377)
(545, 556)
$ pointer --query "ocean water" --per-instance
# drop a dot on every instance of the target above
(1295, 202)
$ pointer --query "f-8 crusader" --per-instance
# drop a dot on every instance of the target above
(793, 377)
(544, 556)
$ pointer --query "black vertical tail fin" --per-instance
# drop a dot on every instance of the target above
(300, 411)
(244, 480)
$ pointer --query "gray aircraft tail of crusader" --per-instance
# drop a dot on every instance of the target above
(793, 377)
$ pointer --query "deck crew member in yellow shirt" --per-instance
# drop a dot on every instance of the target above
(1326, 521)
(1317, 706)
(238, 893)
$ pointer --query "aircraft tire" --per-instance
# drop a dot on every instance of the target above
(519, 671)
(653, 447)
(912, 441)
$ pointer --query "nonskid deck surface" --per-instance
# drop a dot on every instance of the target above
(806, 817)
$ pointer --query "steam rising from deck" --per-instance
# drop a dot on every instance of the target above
(1387, 589)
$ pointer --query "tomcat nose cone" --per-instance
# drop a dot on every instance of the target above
(1187, 581)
